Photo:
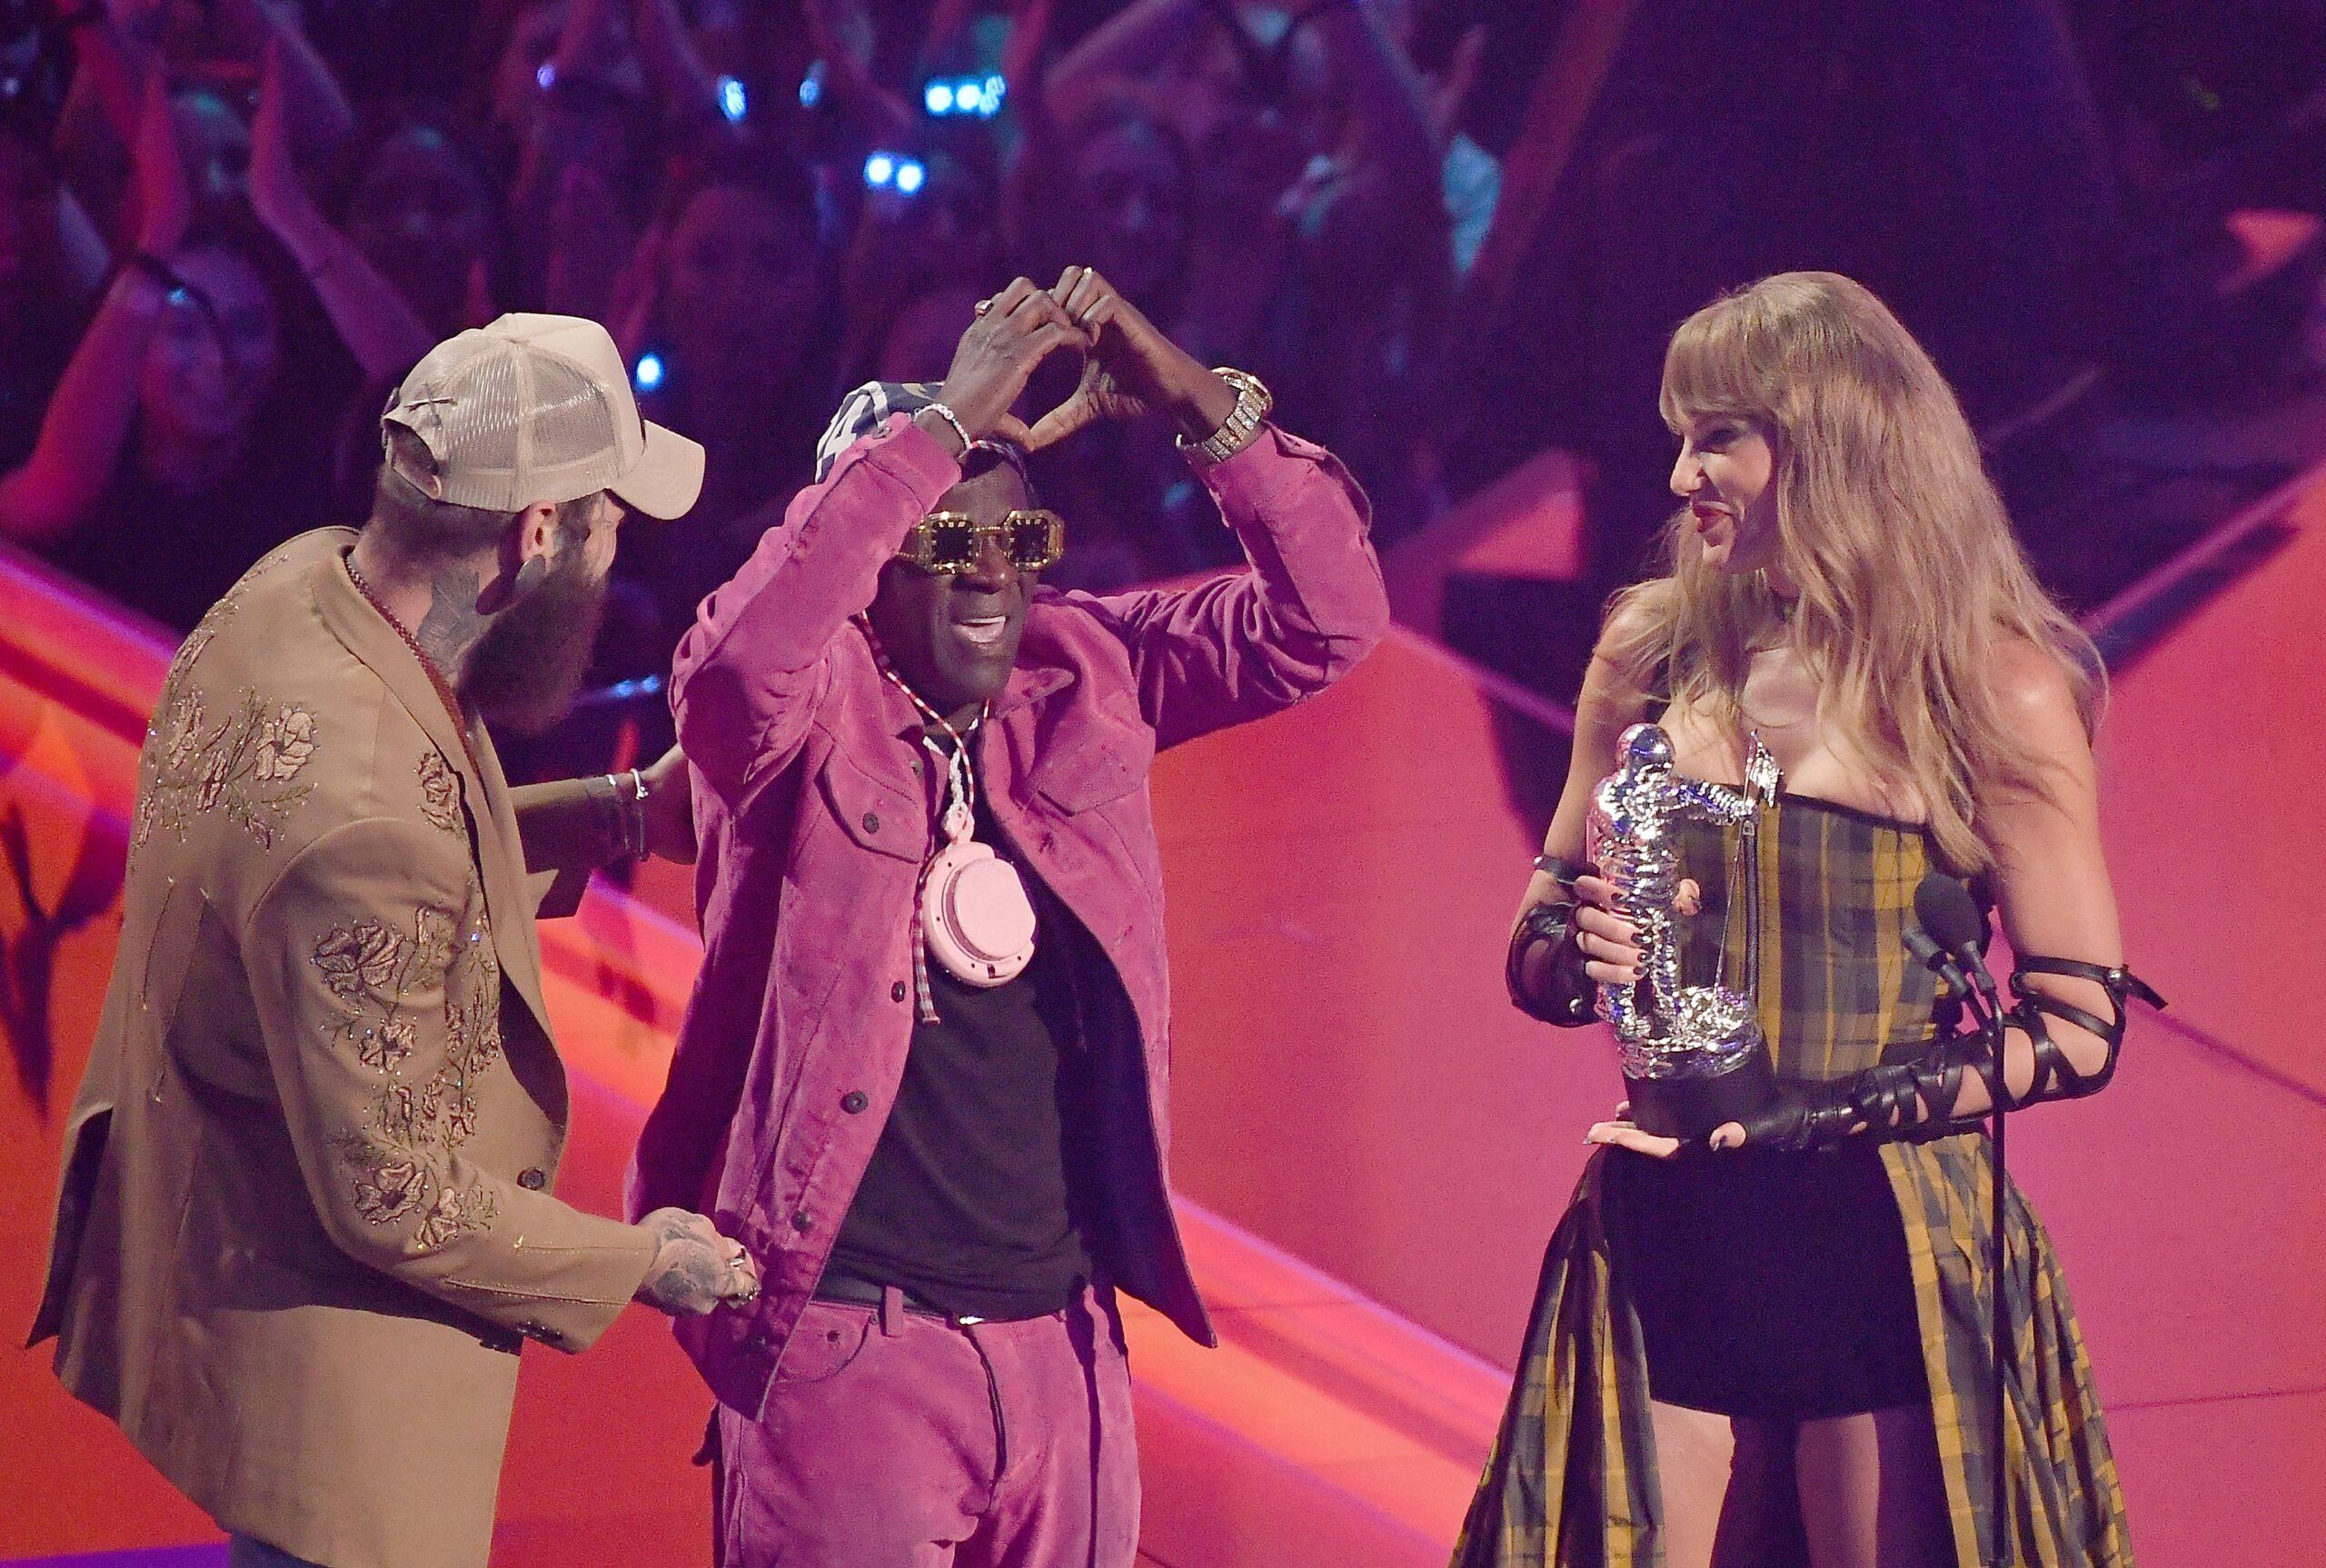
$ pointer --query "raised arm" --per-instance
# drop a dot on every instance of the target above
(1310, 603)
(379, 327)
(87, 423)
(840, 34)
(86, 426)
(317, 110)
(1390, 114)
(113, 64)
(681, 84)
(1131, 42)
(744, 682)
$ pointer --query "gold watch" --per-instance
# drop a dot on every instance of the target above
(1253, 403)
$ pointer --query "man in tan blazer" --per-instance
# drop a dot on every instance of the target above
(306, 1218)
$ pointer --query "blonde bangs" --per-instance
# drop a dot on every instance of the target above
(1709, 370)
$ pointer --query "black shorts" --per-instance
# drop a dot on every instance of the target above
(1767, 1284)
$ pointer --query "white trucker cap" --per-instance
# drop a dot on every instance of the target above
(538, 408)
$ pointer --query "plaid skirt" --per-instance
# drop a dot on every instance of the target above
(1572, 1478)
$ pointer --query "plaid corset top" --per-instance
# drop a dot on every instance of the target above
(1813, 925)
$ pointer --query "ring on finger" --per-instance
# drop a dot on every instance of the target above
(984, 306)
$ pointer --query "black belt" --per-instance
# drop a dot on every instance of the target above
(849, 1291)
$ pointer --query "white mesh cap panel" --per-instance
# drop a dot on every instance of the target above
(493, 454)
(538, 408)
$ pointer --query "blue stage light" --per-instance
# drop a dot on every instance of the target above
(546, 77)
(909, 175)
(995, 87)
(732, 100)
(649, 375)
(939, 97)
(879, 169)
(812, 87)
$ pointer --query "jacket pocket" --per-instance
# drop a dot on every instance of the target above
(874, 815)
(1106, 767)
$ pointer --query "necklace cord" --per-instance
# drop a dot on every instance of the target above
(435, 676)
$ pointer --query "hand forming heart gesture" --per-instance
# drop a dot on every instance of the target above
(1014, 332)
(1130, 367)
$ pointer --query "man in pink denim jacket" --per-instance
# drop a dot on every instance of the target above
(944, 1175)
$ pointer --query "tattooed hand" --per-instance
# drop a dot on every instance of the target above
(695, 1268)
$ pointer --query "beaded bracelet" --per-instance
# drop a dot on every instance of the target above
(950, 418)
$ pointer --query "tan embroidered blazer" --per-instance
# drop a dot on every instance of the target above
(305, 1217)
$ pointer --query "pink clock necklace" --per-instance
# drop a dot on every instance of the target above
(972, 912)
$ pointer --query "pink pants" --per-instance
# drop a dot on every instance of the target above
(894, 1440)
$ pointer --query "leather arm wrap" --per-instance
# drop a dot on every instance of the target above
(1888, 1101)
(1572, 998)
(1897, 1100)
(2056, 1078)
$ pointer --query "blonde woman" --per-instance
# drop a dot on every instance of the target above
(1774, 1351)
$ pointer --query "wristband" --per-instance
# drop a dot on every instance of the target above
(625, 826)
(1563, 871)
(1573, 999)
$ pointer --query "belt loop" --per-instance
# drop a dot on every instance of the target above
(893, 1311)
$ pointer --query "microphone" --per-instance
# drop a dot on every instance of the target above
(1931, 956)
(1956, 928)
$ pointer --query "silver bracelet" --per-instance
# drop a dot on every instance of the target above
(950, 418)
(611, 819)
(637, 815)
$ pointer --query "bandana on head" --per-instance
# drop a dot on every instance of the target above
(868, 408)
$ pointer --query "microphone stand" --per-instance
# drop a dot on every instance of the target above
(1978, 994)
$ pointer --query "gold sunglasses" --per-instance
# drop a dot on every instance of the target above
(950, 541)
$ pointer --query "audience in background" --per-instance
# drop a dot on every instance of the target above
(225, 230)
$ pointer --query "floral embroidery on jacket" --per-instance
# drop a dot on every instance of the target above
(244, 764)
(397, 1159)
(440, 792)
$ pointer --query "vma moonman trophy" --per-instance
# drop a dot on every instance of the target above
(1692, 1055)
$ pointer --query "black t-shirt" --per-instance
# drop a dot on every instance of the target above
(979, 1196)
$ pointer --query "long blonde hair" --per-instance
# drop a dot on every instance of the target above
(1909, 574)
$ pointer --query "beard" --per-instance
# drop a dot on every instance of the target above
(524, 670)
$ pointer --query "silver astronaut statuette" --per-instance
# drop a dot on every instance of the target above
(1692, 1055)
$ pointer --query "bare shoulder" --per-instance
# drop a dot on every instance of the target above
(1630, 643)
(1615, 692)
(2034, 691)
(1632, 619)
